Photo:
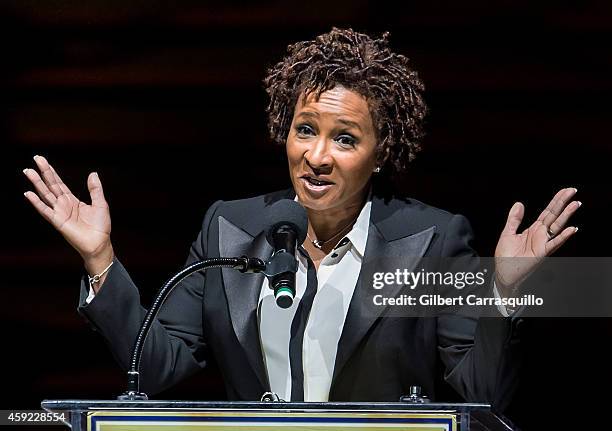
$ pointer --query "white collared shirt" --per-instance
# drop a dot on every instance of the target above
(336, 279)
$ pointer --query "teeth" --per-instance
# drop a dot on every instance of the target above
(317, 182)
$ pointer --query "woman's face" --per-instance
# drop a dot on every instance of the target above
(331, 149)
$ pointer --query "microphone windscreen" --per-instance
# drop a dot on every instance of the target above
(288, 212)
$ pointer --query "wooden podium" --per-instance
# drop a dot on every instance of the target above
(91, 415)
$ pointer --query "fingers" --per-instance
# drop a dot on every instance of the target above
(95, 190)
(39, 205)
(47, 175)
(50, 177)
(50, 186)
(556, 206)
(556, 242)
(515, 217)
(558, 225)
(41, 188)
(63, 187)
(547, 211)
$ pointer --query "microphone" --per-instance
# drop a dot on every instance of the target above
(288, 227)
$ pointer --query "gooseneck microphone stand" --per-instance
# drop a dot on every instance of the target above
(242, 264)
(279, 263)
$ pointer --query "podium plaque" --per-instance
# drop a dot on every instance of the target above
(111, 415)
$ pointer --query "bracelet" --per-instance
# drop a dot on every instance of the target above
(96, 278)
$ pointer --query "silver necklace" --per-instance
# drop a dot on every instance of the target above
(319, 244)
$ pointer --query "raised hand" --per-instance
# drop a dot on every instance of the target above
(86, 227)
(517, 254)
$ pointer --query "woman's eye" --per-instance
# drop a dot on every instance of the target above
(304, 129)
(346, 140)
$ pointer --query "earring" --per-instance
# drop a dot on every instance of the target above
(377, 170)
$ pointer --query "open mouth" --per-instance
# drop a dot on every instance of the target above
(316, 182)
(316, 187)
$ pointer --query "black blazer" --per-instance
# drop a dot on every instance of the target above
(378, 358)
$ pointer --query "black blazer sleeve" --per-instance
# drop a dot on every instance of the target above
(479, 353)
(175, 346)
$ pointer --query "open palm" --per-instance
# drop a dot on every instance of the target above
(86, 227)
(517, 254)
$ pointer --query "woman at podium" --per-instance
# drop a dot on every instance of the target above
(350, 114)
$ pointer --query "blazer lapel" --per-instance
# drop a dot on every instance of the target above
(383, 252)
(242, 291)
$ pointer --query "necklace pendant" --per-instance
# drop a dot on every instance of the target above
(318, 244)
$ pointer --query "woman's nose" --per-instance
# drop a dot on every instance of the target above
(318, 155)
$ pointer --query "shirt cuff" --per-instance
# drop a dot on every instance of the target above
(505, 311)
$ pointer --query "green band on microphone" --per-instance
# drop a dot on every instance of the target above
(283, 289)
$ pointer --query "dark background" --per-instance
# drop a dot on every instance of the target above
(164, 100)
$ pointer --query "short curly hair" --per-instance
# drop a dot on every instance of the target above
(362, 64)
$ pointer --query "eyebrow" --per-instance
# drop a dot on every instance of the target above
(350, 123)
(346, 122)
(309, 114)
